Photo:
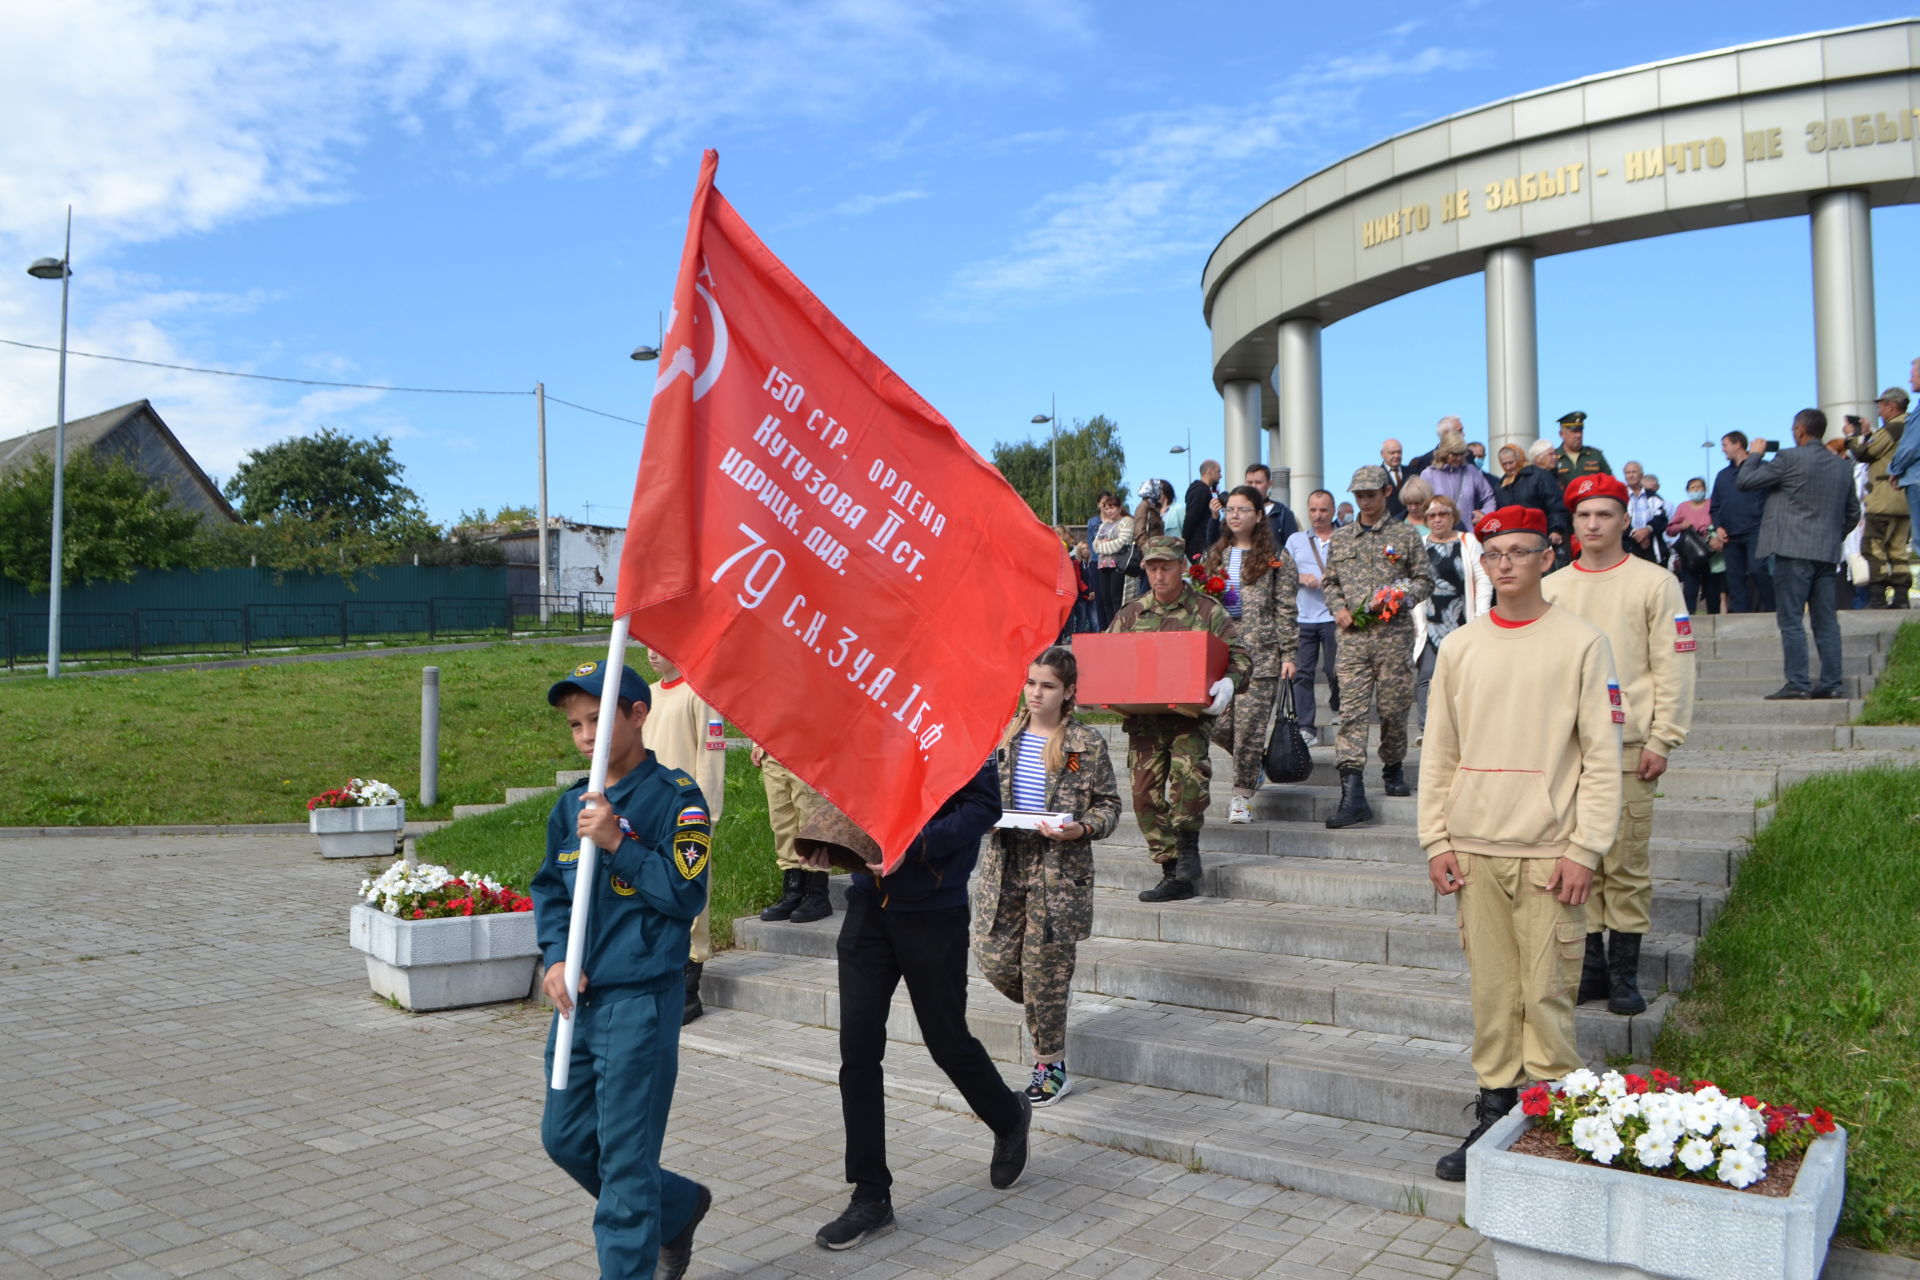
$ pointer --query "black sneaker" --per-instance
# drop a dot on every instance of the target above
(862, 1218)
(1787, 693)
(1010, 1149)
(677, 1253)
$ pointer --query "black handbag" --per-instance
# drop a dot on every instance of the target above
(1695, 555)
(1129, 561)
(1287, 759)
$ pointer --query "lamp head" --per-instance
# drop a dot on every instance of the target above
(1039, 418)
(644, 352)
(49, 268)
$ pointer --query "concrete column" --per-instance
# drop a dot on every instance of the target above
(1843, 337)
(1241, 403)
(1513, 351)
(1301, 420)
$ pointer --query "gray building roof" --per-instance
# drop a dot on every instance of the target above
(137, 433)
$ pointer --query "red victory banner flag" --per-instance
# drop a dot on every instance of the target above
(819, 551)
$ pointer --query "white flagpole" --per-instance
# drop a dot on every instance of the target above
(586, 870)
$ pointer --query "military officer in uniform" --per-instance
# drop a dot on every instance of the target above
(1364, 558)
(1575, 459)
(1167, 754)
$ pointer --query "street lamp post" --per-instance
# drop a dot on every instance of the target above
(60, 269)
(1052, 418)
(540, 433)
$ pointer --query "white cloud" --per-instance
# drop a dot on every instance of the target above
(158, 118)
(858, 206)
(1176, 180)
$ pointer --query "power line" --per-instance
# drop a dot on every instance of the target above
(317, 382)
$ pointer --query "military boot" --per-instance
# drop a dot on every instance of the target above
(790, 895)
(1593, 970)
(1623, 974)
(1353, 801)
(814, 904)
(1900, 595)
(1490, 1106)
(692, 1008)
(1186, 863)
(1171, 887)
(1393, 777)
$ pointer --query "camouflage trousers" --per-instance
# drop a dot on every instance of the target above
(1015, 956)
(1167, 758)
(1243, 731)
(1375, 665)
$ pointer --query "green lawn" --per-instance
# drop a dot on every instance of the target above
(1896, 698)
(1807, 988)
(250, 744)
(509, 843)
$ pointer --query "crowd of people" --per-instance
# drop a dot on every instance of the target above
(1537, 627)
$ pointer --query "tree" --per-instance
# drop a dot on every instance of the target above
(1091, 459)
(116, 522)
(356, 484)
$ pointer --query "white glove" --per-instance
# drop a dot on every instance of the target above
(1222, 693)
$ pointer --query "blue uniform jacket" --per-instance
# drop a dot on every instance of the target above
(647, 891)
(933, 874)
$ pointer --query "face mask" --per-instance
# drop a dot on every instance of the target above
(1696, 494)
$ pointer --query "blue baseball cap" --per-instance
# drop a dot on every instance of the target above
(590, 678)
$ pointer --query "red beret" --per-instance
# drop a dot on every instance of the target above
(1511, 520)
(1595, 487)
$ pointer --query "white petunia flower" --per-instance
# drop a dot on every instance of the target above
(1580, 1081)
(1622, 1109)
(1738, 1168)
(1697, 1116)
(1709, 1093)
(1696, 1154)
(1612, 1085)
(1652, 1151)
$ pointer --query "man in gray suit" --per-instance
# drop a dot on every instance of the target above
(1810, 508)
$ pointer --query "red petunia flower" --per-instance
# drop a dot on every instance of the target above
(1822, 1120)
(1536, 1101)
(1636, 1084)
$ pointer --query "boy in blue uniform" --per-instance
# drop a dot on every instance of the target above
(606, 1127)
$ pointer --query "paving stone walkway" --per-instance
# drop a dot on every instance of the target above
(194, 1081)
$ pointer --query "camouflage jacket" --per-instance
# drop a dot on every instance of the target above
(1269, 622)
(1568, 468)
(1087, 789)
(1193, 611)
(1361, 560)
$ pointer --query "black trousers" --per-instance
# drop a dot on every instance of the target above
(878, 948)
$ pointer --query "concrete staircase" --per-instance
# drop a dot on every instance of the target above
(1305, 1022)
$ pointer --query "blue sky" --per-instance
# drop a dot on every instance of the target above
(1006, 201)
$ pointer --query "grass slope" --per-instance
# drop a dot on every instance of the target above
(1896, 698)
(508, 844)
(250, 744)
(1807, 988)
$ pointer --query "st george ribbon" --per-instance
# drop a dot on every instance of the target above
(832, 567)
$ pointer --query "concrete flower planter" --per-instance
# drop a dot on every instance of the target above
(365, 831)
(1556, 1220)
(448, 963)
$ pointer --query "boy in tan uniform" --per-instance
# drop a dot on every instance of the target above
(790, 802)
(1640, 608)
(678, 730)
(1519, 800)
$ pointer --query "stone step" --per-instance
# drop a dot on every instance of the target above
(1750, 689)
(1678, 907)
(1408, 939)
(1759, 665)
(1864, 624)
(516, 794)
(474, 810)
(1694, 820)
(1754, 736)
(1377, 1077)
(1382, 1166)
(1766, 648)
(1755, 711)
(1700, 861)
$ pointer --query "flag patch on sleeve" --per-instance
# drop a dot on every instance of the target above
(1683, 633)
(690, 850)
(1619, 706)
(693, 816)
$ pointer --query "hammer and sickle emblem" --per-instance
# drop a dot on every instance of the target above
(682, 361)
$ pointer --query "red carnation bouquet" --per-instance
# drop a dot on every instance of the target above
(1383, 608)
(1211, 583)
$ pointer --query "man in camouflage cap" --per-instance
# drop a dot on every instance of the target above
(1167, 754)
(1375, 661)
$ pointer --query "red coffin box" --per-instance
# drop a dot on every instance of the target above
(1149, 672)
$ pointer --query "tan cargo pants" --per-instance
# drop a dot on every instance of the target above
(1524, 948)
(1622, 897)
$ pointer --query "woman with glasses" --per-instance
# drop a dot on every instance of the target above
(1461, 592)
(1262, 596)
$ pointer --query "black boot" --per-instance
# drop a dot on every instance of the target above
(814, 904)
(1900, 595)
(1394, 778)
(1593, 970)
(1623, 974)
(790, 894)
(1353, 801)
(1492, 1104)
(1171, 887)
(1186, 863)
(693, 1008)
